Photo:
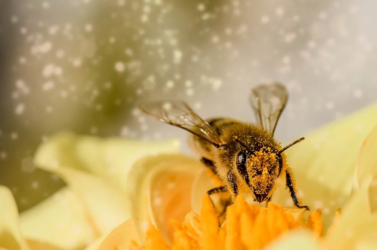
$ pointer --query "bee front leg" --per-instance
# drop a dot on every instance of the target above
(225, 203)
(216, 190)
(232, 183)
(209, 164)
(292, 190)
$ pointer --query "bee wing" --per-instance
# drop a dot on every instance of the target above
(268, 102)
(178, 113)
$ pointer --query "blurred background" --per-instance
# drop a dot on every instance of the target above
(84, 65)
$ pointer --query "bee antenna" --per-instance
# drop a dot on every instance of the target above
(246, 146)
(291, 144)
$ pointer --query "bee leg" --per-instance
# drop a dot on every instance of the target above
(292, 191)
(267, 201)
(232, 182)
(216, 190)
(209, 164)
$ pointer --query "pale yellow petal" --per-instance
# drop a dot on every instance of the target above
(355, 223)
(160, 187)
(105, 205)
(121, 237)
(10, 233)
(367, 241)
(109, 158)
(367, 165)
(324, 163)
(61, 221)
(201, 185)
(97, 170)
(38, 245)
(295, 240)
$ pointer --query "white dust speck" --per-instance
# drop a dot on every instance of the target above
(63, 94)
(169, 84)
(144, 18)
(22, 60)
(149, 83)
(58, 71)
(157, 201)
(177, 56)
(144, 226)
(21, 85)
(329, 105)
(93, 130)
(14, 19)
(112, 39)
(77, 62)
(216, 84)
(53, 30)
(201, 7)
(35, 185)
(60, 54)
(45, 47)
(23, 30)
(312, 44)
(188, 83)
(136, 112)
(88, 28)
(49, 109)
(279, 11)
(3, 155)
(286, 60)
(322, 15)
(48, 70)
(119, 66)
(358, 93)
(124, 131)
(189, 92)
(14, 136)
(265, 19)
(20, 109)
(318, 204)
(290, 37)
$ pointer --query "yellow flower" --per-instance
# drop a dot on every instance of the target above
(113, 188)
(325, 167)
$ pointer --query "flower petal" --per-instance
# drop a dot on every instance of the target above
(10, 233)
(110, 158)
(121, 237)
(201, 185)
(97, 170)
(61, 221)
(324, 163)
(106, 205)
(355, 223)
(367, 165)
(161, 184)
(295, 240)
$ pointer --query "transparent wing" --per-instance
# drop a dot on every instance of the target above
(178, 113)
(268, 102)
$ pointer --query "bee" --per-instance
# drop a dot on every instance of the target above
(246, 157)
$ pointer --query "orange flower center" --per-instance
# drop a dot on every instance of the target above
(246, 227)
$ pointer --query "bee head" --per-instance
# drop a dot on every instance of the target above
(259, 170)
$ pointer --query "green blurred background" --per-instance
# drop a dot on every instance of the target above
(85, 65)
